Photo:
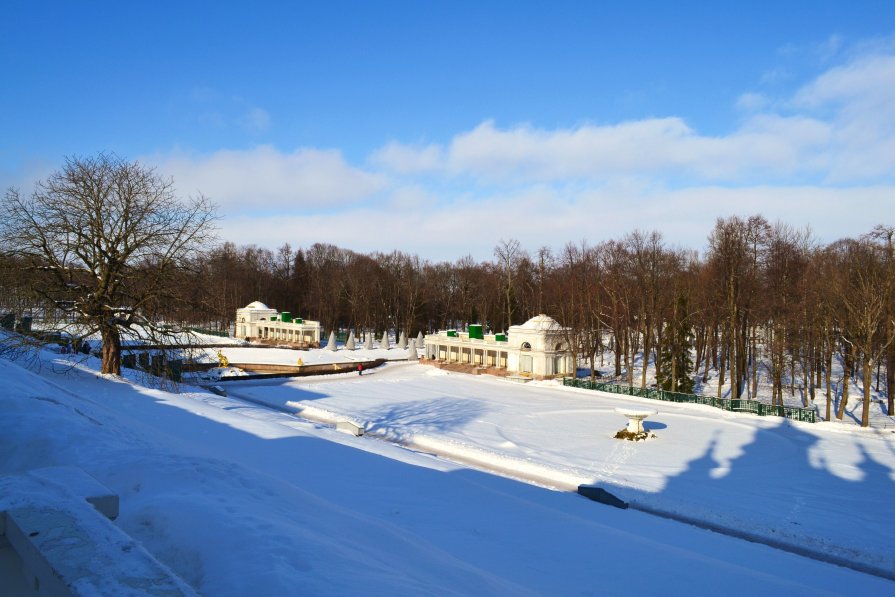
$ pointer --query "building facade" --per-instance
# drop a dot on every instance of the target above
(258, 321)
(538, 348)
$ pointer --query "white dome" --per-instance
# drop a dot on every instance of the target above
(257, 305)
(541, 323)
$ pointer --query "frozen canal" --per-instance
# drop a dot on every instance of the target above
(823, 486)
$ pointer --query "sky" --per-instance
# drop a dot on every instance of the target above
(441, 128)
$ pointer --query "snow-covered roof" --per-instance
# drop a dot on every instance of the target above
(257, 305)
(540, 323)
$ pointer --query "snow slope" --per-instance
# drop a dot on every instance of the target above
(243, 500)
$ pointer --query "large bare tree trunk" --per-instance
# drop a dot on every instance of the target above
(828, 374)
(721, 368)
(754, 394)
(647, 342)
(810, 363)
(846, 381)
(867, 366)
(792, 374)
(732, 353)
(806, 381)
(711, 355)
(111, 353)
(617, 349)
(890, 377)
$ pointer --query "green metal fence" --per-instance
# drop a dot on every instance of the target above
(737, 405)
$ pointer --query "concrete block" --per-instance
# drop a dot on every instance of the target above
(57, 521)
(73, 550)
(350, 427)
(83, 485)
(34, 485)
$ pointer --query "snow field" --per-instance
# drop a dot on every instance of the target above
(243, 500)
(798, 483)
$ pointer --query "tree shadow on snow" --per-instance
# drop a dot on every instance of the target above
(784, 485)
(437, 415)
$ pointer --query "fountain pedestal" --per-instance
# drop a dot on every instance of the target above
(634, 430)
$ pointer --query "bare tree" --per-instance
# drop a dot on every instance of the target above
(105, 238)
(863, 292)
(736, 248)
(508, 254)
(886, 234)
(786, 260)
(616, 283)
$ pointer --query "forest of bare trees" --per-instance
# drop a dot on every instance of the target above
(765, 302)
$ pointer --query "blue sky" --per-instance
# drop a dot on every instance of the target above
(405, 125)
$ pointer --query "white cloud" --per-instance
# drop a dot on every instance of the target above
(838, 128)
(589, 151)
(407, 159)
(860, 97)
(264, 179)
(870, 78)
(767, 145)
(541, 215)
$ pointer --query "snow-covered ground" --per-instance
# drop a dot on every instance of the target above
(879, 417)
(809, 484)
(243, 500)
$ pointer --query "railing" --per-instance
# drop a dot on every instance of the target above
(794, 413)
(218, 333)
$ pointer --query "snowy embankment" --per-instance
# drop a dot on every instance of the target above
(289, 356)
(242, 500)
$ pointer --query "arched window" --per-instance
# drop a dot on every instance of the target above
(559, 347)
(526, 346)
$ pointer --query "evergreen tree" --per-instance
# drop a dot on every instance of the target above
(676, 363)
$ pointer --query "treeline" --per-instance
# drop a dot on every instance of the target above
(765, 302)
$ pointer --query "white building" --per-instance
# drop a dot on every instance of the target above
(257, 320)
(538, 348)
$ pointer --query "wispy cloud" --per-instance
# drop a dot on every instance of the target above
(751, 102)
(220, 111)
(256, 120)
(264, 179)
(859, 98)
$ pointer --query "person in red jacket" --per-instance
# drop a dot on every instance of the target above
(360, 369)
